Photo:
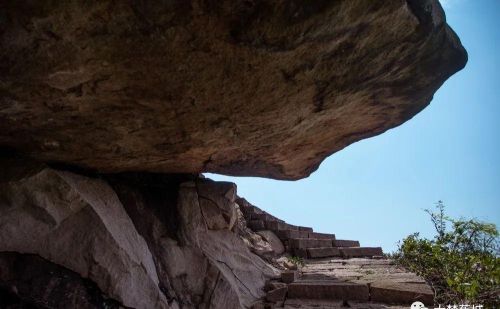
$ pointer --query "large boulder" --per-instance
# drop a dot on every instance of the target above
(256, 243)
(245, 273)
(261, 87)
(273, 240)
(79, 223)
(217, 204)
(198, 266)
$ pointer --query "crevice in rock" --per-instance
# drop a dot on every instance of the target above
(237, 278)
(214, 288)
(201, 208)
(159, 192)
(149, 198)
(30, 281)
(319, 97)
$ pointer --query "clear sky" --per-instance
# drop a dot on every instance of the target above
(375, 190)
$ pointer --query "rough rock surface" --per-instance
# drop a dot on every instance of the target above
(273, 240)
(168, 241)
(200, 265)
(254, 241)
(144, 240)
(246, 272)
(265, 88)
(79, 223)
(28, 281)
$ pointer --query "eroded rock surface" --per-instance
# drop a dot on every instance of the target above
(27, 281)
(143, 240)
(200, 265)
(264, 88)
(79, 223)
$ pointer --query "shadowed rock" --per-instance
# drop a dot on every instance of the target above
(263, 88)
(79, 223)
(28, 281)
(143, 239)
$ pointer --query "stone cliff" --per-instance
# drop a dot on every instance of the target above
(110, 110)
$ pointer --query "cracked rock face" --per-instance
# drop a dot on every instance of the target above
(134, 240)
(80, 224)
(262, 88)
(28, 281)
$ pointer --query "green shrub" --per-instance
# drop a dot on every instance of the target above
(296, 260)
(460, 263)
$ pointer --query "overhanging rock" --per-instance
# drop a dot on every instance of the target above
(261, 88)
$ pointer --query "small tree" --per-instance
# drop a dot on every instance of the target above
(461, 264)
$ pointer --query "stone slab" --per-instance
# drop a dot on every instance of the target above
(324, 289)
(291, 227)
(275, 225)
(294, 303)
(289, 276)
(299, 252)
(305, 243)
(256, 225)
(287, 234)
(271, 285)
(313, 253)
(277, 294)
(360, 252)
(321, 235)
(401, 293)
(264, 217)
(345, 243)
(305, 228)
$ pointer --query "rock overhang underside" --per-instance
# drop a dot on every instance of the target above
(254, 88)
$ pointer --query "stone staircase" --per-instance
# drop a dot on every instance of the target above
(337, 273)
(376, 283)
(302, 241)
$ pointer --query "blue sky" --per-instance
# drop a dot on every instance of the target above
(375, 190)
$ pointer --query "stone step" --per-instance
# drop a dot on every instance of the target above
(314, 253)
(401, 293)
(305, 228)
(345, 243)
(287, 234)
(355, 252)
(256, 225)
(247, 210)
(306, 243)
(265, 217)
(321, 235)
(280, 226)
(289, 276)
(250, 210)
(277, 295)
(302, 253)
(300, 303)
(325, 289)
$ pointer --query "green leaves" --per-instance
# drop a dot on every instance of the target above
(297, 261)
(461, 264)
